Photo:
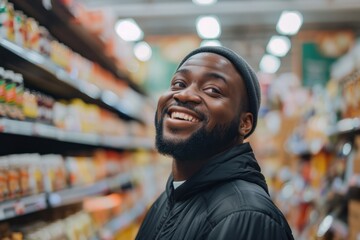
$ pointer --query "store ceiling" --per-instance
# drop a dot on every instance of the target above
(246, 24)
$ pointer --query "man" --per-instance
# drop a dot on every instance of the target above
(216, 190)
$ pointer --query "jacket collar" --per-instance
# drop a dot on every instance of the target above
(236, 163)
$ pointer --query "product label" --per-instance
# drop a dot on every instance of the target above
(10, 93)
(2, 91)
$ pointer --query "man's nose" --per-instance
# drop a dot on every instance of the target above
(189, 94)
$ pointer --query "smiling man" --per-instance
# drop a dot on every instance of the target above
(216, 190)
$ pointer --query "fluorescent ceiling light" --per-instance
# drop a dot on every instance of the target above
(269, 64)
(142, 51)
(278, 46)
(289, 22)
(210, 43)
(128, 30)
(204, 2)
(208, 27)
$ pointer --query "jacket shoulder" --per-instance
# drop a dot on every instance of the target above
(240, 196)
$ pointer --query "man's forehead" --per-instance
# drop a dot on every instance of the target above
(208, 59)
(207, 55)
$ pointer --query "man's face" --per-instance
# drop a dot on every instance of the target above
(200, 114)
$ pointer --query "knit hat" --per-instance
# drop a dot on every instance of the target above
(245, 71)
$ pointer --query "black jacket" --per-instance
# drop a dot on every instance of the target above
(227, 199)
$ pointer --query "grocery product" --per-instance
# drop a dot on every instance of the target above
(2, 92)
(4, 190)
(10, 94)
(30, 105)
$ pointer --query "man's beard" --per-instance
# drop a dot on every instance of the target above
(201, 145)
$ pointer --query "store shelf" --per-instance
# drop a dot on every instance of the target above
(25, 205)
(40, 72)
(346, 126)
(24, 128)
(127, 142)
(63, 25)
(119, 180)
(21, 206)
(123, 220)
(77, 194)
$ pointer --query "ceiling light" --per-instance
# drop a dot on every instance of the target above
(210, 43)
(269, 64)
(208, 27)
(289, 22)
(142, 51)
(204, 2)
(278, 46)
(128, 30)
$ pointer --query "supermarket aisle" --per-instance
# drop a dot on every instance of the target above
(77, 156)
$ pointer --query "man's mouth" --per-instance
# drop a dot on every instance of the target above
(183, 116)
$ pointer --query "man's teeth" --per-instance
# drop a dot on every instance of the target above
(183, 116)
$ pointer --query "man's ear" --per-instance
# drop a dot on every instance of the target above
(246, 123)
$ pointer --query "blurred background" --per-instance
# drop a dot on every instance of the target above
(79, 83)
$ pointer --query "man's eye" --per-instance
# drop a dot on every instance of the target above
(213, 90)
(179, 85)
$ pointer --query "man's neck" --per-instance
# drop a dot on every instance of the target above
(183, 170)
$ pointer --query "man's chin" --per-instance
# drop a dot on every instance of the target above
(168, 145)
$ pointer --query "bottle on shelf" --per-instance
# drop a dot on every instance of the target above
(2, 92)
(19, 81)
(10, 94)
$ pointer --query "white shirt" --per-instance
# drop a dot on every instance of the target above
(177, 184)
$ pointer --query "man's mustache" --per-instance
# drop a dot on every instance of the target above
(188, 106)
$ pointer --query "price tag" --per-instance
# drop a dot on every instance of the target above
(9, 212)
(45, 130)
(2, 215)
(19, 208)
(18, 127)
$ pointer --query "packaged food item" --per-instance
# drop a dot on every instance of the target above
(59, 114)
(33, 34)
(30, 105)
(6, 20)
(19, 81)
(10, 94)
(23, 165)
(9, 22)
(54, 172)
(4, 191)
(36, 175)
(357, 94)
(19, 28)
(3, 18)
(44, 42)
(72, 170)
(91, 119)
(60, 55)
(2, 92)
(13, 177)
(45, 105)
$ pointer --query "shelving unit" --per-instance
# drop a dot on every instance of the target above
(120, 222)
(77, 194)
(62, 24)
(25, 205)
(35, 136)
(43, 74)
(39, 130)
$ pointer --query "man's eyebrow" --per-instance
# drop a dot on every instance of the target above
(182, 70)
(216, 76)
(211, 75)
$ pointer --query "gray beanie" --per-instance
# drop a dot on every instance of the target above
(245, 71)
